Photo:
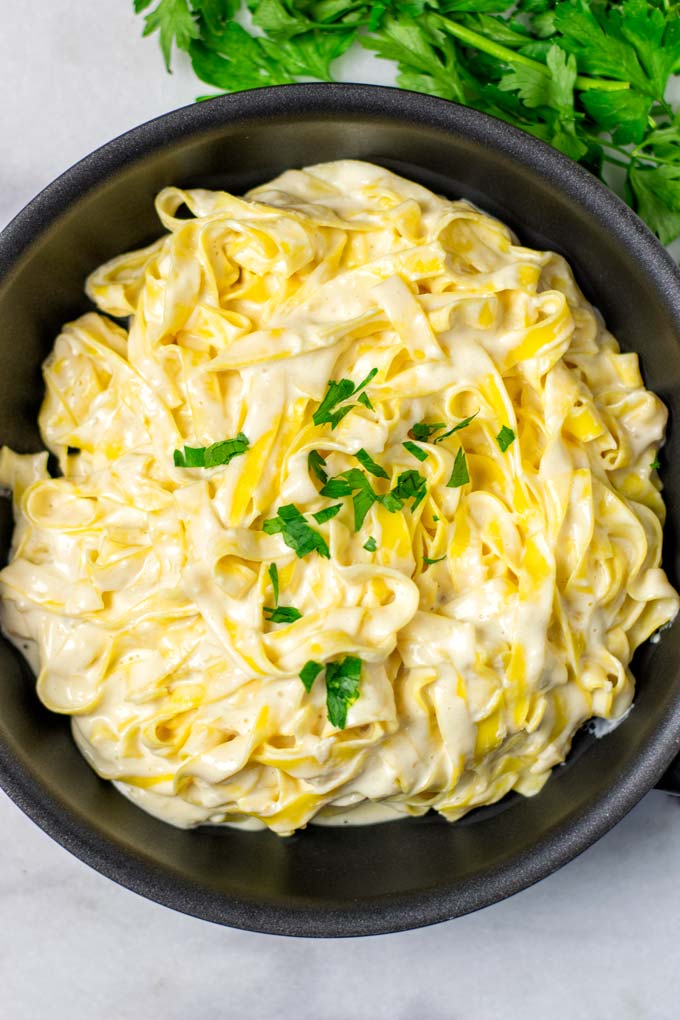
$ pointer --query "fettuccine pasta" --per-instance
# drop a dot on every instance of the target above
(358, 513)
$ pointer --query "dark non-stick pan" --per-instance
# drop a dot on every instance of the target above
(354, 880)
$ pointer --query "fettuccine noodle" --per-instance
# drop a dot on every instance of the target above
(455, 636)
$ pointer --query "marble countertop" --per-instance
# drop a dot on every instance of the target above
(601, 938)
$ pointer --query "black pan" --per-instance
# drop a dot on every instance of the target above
(349, 881)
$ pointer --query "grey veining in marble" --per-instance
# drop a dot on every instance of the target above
(600, 939)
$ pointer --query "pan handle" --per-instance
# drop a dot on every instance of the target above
(670, 780)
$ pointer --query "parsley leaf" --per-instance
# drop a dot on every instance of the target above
(342, 688)
(174, 22)
(274, 578)
(428, 562)
(336, 393)
(222, 452)
(505, 438)
(459, 475)
(277, 613)
(309, 673)
(370, 545)
(367, 462)
(343, 679)
(316, 465)
(422, 432)
(654, 466)
(657, 198)
(353, 483)
(232, 59)
(296, 532)
(282, 614)
(410, 485)
(457, 428)
(417, 451)
(328, 512)
(364, 399)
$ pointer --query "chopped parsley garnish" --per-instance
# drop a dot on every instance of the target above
(274, 578)
(363, 399)
(655, 465)
(417, 451)
(342, 688)
(459, 475)
(353, 483)
(309, 673)
(342, 685)
(277, 613)
(328, 512)
(456, 428)
(505, 438)
(328, 411)
(410, 485)
(367, 461)
(211, 456)
(296, 532)
(424, 433)
(371, 545)
(282, 614)
(316, 464)
(428, 562)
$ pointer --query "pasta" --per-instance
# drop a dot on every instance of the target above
(358, 515)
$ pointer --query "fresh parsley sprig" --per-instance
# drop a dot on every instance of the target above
(589, 77)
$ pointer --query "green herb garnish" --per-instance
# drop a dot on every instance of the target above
(417, 451)
(428, 562)
(410, 485)
(336, 394)
(505, 438)
(282, 614)
(367, 462)
(353, 483)
(342, 685)
(316, 464)
(277, 613)
(328, 512)
(296, 532)
(456, 428)
(655, 465)
(363, 399)
(342, 688)
(274, 578)
(459, 475)
(424, 433)
(309, 673)
(211, 456)
(589, 77)
(371, 545)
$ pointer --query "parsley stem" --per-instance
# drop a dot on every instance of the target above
(508, 56)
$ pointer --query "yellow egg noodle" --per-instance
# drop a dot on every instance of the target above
(475, 592)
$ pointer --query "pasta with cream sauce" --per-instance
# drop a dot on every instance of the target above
(358, 515)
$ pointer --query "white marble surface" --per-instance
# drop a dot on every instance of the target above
(599, 939)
